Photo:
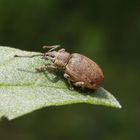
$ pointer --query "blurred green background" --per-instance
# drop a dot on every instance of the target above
(106, 31)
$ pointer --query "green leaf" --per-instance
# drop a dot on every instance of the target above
(23, 90)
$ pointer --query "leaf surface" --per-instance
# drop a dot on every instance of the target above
(23, 90)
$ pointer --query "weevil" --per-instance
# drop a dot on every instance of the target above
(78, 69)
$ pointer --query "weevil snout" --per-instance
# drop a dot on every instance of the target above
(50, 55)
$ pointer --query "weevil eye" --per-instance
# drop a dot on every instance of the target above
(50, 54)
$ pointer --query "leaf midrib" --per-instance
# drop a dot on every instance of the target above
(31, 85)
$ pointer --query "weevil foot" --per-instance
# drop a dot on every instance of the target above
(69, 82)
(62, 50)
(80, 84)
(71, 87)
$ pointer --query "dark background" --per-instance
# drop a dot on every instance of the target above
(106, 31)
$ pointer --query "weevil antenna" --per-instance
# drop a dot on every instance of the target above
(51, 48)
(29, 56)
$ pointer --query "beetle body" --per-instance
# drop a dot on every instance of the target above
(84, 72)
(78, 69)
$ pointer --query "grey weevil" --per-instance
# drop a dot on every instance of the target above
(78, 69)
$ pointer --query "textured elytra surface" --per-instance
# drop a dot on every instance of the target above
(23, 90)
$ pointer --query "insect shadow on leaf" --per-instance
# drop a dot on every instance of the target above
(53, 79)
(57, 75)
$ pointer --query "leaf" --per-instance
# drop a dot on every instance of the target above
(23, 90)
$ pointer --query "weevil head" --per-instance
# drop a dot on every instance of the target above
(59, 58)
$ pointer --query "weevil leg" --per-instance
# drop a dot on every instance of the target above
(80, 84)
(51, 47)
(62, 50)
(48, 58)
(29, 56)
(51, 67)
(69, 82)
(46, 67)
